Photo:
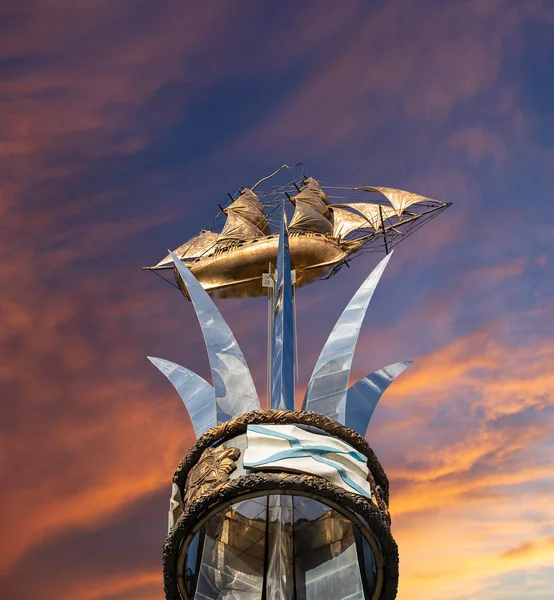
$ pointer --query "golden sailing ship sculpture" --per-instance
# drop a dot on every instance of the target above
(323, 235)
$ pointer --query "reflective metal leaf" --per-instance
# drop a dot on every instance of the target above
(363, 396)
(326, 393)
(196, 393)
(235, 393)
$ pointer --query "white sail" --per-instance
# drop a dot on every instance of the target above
(238, 229)
(372, 212)
(200, 245)
(399, 199)
(347, 221)
(307, 218)
(248, 206)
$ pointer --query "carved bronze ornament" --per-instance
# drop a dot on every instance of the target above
(211, 471)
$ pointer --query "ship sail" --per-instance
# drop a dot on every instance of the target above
(238, 229)
(250, 208)
(346, 221)
(200, 245)
(308, 218)
(231, 264)
(372, 212)
(314, 187)
(399, 199)
(313, 200)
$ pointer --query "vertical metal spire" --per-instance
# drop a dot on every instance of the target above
(282, 340)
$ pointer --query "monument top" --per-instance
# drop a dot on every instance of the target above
(283, 504)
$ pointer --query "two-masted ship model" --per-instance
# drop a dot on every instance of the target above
(277, 503)
(324, 234)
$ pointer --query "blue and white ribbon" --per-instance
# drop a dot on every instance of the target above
(291, 448)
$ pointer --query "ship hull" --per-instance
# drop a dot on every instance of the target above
(236, 271)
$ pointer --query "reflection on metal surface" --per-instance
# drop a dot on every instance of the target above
(232, 554)
(323, 236)
(235, 271)
(279, 548)
(291, 448)
(363, 396)
(282, 339)
(235, 393)
(197, 394)
(327, 387)
(280, 567)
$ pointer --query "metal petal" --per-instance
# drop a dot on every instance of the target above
(326, 393)
(282, 340)
(362, 397)
(196, 393)
(235, 393)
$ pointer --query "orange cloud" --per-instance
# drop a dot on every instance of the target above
(463, 485)
(530, 548)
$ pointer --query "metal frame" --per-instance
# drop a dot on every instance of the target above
(348, 505)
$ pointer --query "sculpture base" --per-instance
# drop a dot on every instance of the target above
(270, 534)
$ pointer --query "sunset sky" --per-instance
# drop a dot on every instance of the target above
(124, 123)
